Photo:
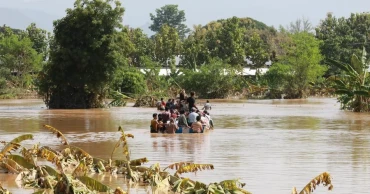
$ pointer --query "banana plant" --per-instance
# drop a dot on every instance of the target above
(353, 86)
(323, 178)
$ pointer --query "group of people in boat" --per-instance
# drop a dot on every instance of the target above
(181, 115)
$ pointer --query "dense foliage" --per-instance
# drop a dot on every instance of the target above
(216, 80)
(131, 82)
(293, 73)
(19, 62)
(343, 37)
(81, 66)
(78, 71)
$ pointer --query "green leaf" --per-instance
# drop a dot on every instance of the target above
(342, 91)
(51, 171)
(340, 83)
(94, 184)
(340, 65)
(361, 93)
(357, 64)
(21, 161)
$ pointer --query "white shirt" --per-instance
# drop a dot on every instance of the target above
(192, 117)
(207, 106)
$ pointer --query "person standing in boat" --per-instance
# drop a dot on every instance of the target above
(191, 101)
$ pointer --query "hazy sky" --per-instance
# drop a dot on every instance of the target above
(271, 12)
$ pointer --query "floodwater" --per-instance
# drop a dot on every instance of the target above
(271, 145)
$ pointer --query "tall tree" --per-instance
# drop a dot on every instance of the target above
(227, 42)
(83, 55)
(300, 25)
(143, 47)
(39, 38)
(166, 46)
(170, 15)
(257, 50)
(299, 67)
(194, 52)
(18, 56)
(343, 37)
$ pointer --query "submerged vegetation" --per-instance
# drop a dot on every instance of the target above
(69, 168)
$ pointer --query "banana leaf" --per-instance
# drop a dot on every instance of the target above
(139, 162)
(194, 168)
(356, 64)
(14, 144)
(58, 133)
(21, 161)
(94, 184)
(76, 151)
(324, 179)
(51, 171)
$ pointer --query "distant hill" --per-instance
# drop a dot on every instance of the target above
(20, 19)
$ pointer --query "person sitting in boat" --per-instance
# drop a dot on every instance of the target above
(192, 116)
(197, 126)
(154, 124)
(172, 127)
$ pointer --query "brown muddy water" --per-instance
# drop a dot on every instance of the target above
(271, 145)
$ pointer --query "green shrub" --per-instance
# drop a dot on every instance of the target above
(215, 80)
(131, 83)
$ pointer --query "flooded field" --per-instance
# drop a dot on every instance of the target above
(271, 145)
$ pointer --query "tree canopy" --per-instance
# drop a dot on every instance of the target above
(171, 16)
(19, 58)
(82, 65)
